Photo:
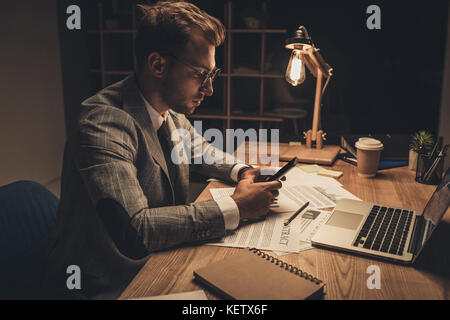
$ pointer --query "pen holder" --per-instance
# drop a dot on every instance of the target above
(429, 170)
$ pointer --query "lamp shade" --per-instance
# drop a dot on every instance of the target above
(300, 41)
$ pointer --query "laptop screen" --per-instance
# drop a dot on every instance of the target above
(435, 208)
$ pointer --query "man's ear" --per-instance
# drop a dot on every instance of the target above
(156, 64)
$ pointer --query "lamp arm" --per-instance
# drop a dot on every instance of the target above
(310, 64)
(317, 101)
(305, 32)
(326, 84)
(316, 61)
(313, 61)
(325, 67)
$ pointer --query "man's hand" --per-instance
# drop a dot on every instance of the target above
(254, 174)
(254, 199)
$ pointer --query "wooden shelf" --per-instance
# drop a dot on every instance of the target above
(131, 31)
(235, 117)
(253, 75)
(257, 31)
(107, 71)
(257, 118)
(113, 72)
(208, 116)
(224, 75)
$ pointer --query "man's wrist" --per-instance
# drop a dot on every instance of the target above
(241, 171)
(235, 170)
(230, 212)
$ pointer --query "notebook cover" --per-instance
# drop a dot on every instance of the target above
(247, 276)
(382, 165)
(396, 146)
(327, 155)
(248, 152)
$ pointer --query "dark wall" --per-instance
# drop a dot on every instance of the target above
(386, 80)
(444, 115)
(74, 61)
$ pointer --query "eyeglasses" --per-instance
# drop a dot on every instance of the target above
(204, 76)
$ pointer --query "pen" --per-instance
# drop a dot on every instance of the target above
(348, 160)
(436, 146)
(297, 213)
(433, 167)
(434, 154)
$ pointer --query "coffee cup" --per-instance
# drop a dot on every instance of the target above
(368, 152)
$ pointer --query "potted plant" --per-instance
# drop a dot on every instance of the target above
(421, 143)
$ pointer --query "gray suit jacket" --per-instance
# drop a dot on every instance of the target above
(117, 201)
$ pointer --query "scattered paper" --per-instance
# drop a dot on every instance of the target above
(310, 222)
(268, 234)
(282, 204)
(335, 193)
(302, 247)
(301, 194)
(297, 176)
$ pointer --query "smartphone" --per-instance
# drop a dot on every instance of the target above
(283, 171)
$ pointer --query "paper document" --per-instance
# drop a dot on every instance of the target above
(267, 234)
(271, 234)
(301, 194)
(297, 176)
(282, 204)
(291, 198)
(335, 193)
(309, 223)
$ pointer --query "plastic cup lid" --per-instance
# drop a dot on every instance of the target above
(369, 144)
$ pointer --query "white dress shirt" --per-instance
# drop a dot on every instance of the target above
(226, 204)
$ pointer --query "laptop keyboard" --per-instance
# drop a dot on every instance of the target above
(385, 230)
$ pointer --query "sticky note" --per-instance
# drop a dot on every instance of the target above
(313, 168)
(330, 173)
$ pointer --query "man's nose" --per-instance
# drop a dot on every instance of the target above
(207, 88)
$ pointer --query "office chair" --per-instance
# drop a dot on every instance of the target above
(27, 216)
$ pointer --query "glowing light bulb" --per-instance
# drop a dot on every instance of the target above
(295, 72)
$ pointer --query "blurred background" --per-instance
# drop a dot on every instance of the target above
(393, 80)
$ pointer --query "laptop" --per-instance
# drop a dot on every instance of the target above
(377, 230)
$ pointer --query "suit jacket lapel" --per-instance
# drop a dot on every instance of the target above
(135, 106)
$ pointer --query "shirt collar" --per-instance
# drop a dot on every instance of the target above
(155, 116)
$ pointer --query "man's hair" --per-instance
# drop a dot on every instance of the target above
(166, 26)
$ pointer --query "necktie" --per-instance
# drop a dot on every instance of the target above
(166, 146)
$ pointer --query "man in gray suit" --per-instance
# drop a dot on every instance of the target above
(122, 197)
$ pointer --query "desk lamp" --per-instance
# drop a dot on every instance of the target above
(305, 53)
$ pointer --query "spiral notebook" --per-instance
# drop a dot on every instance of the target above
(254, 275)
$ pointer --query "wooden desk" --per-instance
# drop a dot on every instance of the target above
(345, 274)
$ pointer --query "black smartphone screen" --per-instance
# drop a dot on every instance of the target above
(280, 173)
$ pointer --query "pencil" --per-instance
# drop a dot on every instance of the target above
(296, 213)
